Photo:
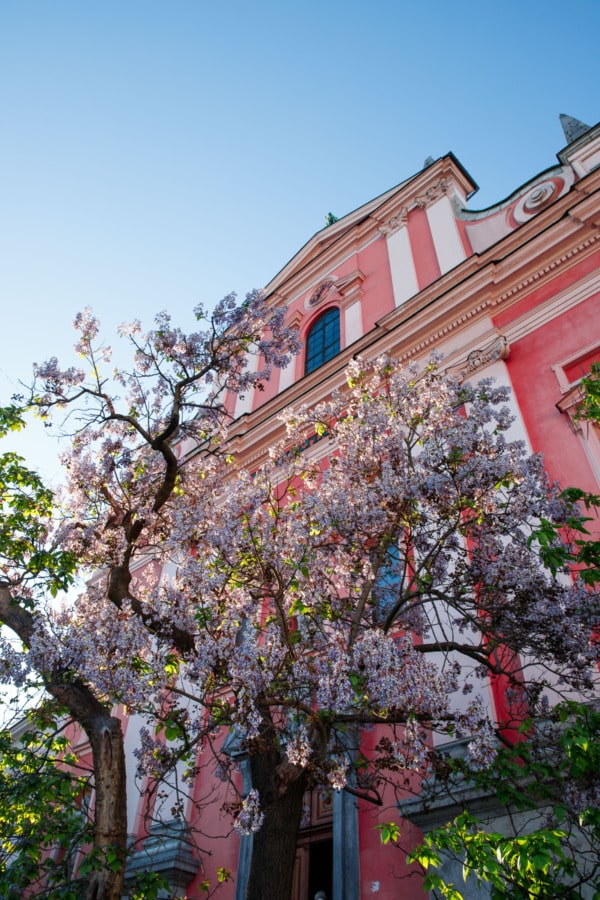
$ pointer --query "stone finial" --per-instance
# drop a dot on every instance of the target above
(572, 128)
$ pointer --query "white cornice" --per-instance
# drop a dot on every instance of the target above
(553, 307)
(545, 270)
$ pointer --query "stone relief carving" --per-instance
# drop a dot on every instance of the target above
(432, 194)
(421, 201)
(395, 222)
(320, 292)
(478, 359)
(540, 195)
(535, 200)
(348, 287)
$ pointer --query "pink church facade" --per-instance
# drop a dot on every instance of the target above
(511, 292)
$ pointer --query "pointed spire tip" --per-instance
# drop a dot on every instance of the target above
(572, 128)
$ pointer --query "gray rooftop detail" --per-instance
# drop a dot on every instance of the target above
(572, 128)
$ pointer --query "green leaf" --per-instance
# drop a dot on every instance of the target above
(388, 831)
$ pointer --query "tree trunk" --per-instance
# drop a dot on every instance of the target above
(281, 791)
(110, 810)
(110, 807)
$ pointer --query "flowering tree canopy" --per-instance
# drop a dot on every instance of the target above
(374, 584)
(378, 587)
(123, 469)
(378, 583)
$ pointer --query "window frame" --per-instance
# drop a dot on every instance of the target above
(329, 348)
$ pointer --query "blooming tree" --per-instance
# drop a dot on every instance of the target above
(379, 584)
(123, 469)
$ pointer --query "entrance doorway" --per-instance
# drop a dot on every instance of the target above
(314, 858)
(320, 868)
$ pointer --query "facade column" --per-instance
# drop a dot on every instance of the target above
(346, 865)
(245, 855)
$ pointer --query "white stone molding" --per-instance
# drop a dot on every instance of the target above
(555, 264)
(498, 349)
(349, 287)
(583, 354)
(584, 155)
(553, 307)
(587, 432)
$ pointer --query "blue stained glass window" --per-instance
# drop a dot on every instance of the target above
(323, 340)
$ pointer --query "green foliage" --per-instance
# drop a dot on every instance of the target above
(148, 886)
(41, 786)
(558, 773)
(589, 409)
(223, 875)
(26, 511)
(388, 831)
(45, 834)
(11, 419)
(41, 818)
(582, 552)
(519, 867)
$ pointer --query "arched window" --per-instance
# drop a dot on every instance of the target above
(323, 340)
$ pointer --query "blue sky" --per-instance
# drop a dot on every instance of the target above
(155, 154)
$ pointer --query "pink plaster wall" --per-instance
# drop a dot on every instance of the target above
(537, 390)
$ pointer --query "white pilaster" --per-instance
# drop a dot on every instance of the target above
(446, 239)
(243, 403)
(404, 276)
(287, 376)
(353, 323)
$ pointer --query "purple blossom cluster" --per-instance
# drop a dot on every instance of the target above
(154, 758)
(298, 747)
(16, 667)
(474, 722)
(250, 816)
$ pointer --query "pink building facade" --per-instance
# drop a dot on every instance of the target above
(512, 292)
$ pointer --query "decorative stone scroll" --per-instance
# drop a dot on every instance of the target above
(537, 198)
(435, 192)
(320, 292)
(395, 222)
(421, 201)
(478, 359)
